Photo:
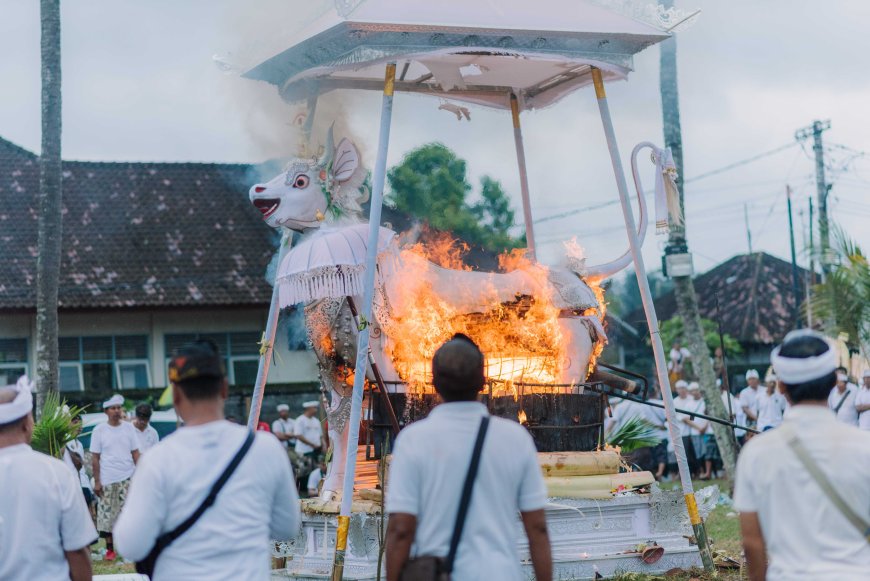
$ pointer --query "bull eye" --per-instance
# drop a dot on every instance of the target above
(301, 181)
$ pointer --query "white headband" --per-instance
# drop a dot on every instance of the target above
(752, 373)
(283, 407)
(311, 404)
(21, 405)
(793, 370)
(116, 399)
(681, 383)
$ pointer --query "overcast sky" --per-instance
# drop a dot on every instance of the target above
(140, 84)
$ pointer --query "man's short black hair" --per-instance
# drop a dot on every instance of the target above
(199, 369)
(143, 410)
(458, 369)
(803, 347)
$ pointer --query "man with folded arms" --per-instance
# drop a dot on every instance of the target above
(45, 526)
(801, 489)
(114, 453)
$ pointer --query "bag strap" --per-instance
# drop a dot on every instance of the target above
(166, 539)
(467, 489)
(804, 456)
(842, 400)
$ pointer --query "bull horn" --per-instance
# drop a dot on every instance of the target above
(329, 148)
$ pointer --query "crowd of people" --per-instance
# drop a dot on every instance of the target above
(205, 503)
(758, 407)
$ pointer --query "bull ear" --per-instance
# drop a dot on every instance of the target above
(345, 162)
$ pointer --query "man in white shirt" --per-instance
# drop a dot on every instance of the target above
(114, 453)
(146, 435)
(258, 503)
(308, 430)
(74, 458)
(428, 470)
(283, 426)
(315, 478)
(862, 402)
(679, 356)
(786, 518)
(771, 404)
(733, 404)
(842, 401)
(45, 526)
(697, 426)
(684, 401)
(657, 418)
(748, 398)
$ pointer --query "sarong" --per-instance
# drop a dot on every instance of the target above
(109, 505)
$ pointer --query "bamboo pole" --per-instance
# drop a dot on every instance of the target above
(524, 176)
(652, 322)
(362, 348)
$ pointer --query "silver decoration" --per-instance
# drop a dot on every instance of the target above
(652, 13)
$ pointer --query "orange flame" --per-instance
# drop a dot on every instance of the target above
(521, 338)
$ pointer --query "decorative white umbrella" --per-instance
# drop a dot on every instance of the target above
(330, 264)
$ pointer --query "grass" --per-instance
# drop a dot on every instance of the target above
(116, 567)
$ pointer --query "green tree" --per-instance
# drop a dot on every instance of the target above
(431, 185)
(843, 300)
(673, 330)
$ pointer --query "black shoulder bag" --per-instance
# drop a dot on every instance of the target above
(429, 568)
(146, 565)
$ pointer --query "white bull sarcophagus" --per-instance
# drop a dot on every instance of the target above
(536, 323)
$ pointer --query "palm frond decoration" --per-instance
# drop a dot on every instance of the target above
(55, 428)
(634, 434)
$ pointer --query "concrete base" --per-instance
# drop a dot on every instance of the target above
(586, 536)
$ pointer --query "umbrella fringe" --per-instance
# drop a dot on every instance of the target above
(328, 282)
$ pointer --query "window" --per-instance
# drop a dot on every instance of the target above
(104, 363)
(13, 360)
(240, 350)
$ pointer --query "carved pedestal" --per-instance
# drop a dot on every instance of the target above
(586, 535)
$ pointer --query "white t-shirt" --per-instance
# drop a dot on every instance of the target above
(684, 403)
(82, 475)
(281, 426)
(427, 473)
(736, 409)
(230, 541)
(42, 514)
(770, 409)
(863, 398)
(749, 400)
(115, 445)
(805, 535)
(147, 438)
(657, 417)
(314, 479)
(678, 358)
(847, 414)
(308, 428)
(699, 407)
(626, 410)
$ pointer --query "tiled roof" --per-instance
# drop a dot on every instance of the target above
(137, 234)
(756, 297)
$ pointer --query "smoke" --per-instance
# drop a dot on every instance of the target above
(273, 126)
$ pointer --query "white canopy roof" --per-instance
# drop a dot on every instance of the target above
(478, 51)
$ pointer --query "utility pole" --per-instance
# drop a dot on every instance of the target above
(684, 289)
(794, 269)
(746, 221)
(815, 131)
(812, 276)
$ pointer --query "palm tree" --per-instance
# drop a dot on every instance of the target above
(48, 262)
(843, 300)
